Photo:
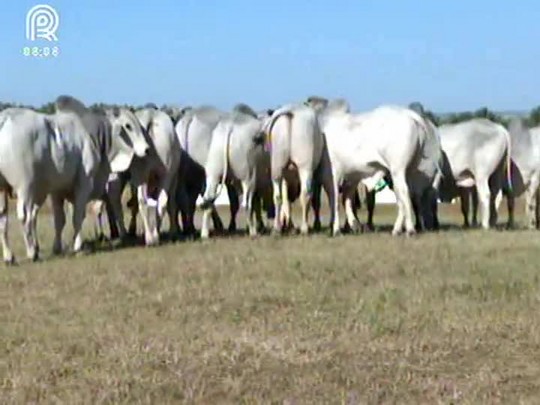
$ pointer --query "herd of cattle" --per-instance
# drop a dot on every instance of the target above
(270, 158)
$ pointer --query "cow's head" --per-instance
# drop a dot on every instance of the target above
(127, 138)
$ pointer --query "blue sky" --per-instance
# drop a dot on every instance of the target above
(451, 55)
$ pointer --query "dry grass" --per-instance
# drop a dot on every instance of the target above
(441, 318)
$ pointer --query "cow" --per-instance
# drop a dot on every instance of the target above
(236, 157)
(153, 178)
(67, 155)
(525, 173)
(388, 141)
(477, 152)
(297, 148)
(194, 130)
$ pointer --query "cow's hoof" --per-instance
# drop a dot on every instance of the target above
(57, 252)
(205, 235)
(411, 233)
(356, 228)
(396, 232)
(335, 233)
(152, 242)
(304, 231)
(10, 261)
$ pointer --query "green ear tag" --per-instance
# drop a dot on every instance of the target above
(381, 184)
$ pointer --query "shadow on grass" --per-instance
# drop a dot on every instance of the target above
(104, 245)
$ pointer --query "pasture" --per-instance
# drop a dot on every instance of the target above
(450, 317)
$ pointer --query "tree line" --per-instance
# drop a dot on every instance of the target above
(532, 118)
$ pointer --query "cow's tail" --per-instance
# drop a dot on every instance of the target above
(186, 133)
(278, 114)
(210, 200)
(3, 120)
(439, 174)
(508, 162)
(429, 131)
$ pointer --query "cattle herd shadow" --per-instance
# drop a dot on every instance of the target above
(103, 245)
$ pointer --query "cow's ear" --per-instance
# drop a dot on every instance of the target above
(116, 112)
(270, 111)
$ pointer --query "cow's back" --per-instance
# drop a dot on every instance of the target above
(473, 146)
(194, 131)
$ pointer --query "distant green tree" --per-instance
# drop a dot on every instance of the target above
(534, 117)
(48, 108)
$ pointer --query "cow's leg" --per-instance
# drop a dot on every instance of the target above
(356, 204)
(405, 212)
(316, 205)
(349, 212)
(113, 205)
(434, 210)
(417, 211)
(257, 208)
(172, 210)
(216, 220)
(400, 219)
(331, 184)
(276, 185)
(205, 231)
(531, 202)
(484, 197)
(370, 204)
(151, 236)
(189, 214)
(510, 204)
(464, 194)
(133, 206)
(234, 206)
(25, 206)
(474, 207)
(248, 188)
(428, 210)
(59, 218)
(537, 210)
(346, 225)
(183, 198)
(493, 206)
(82, 195)
(306, 179)
(286, 220)
(114, 229)
(9, 258)
(208, 204)
(97, 211)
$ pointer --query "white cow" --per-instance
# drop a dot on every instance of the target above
(366, 147)
(153, 177)
(476, 153)
(525, 178)
(67, 155)
(194, 130)
(236, 157)
(297, 148)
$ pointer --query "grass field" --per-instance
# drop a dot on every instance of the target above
(440, 318)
